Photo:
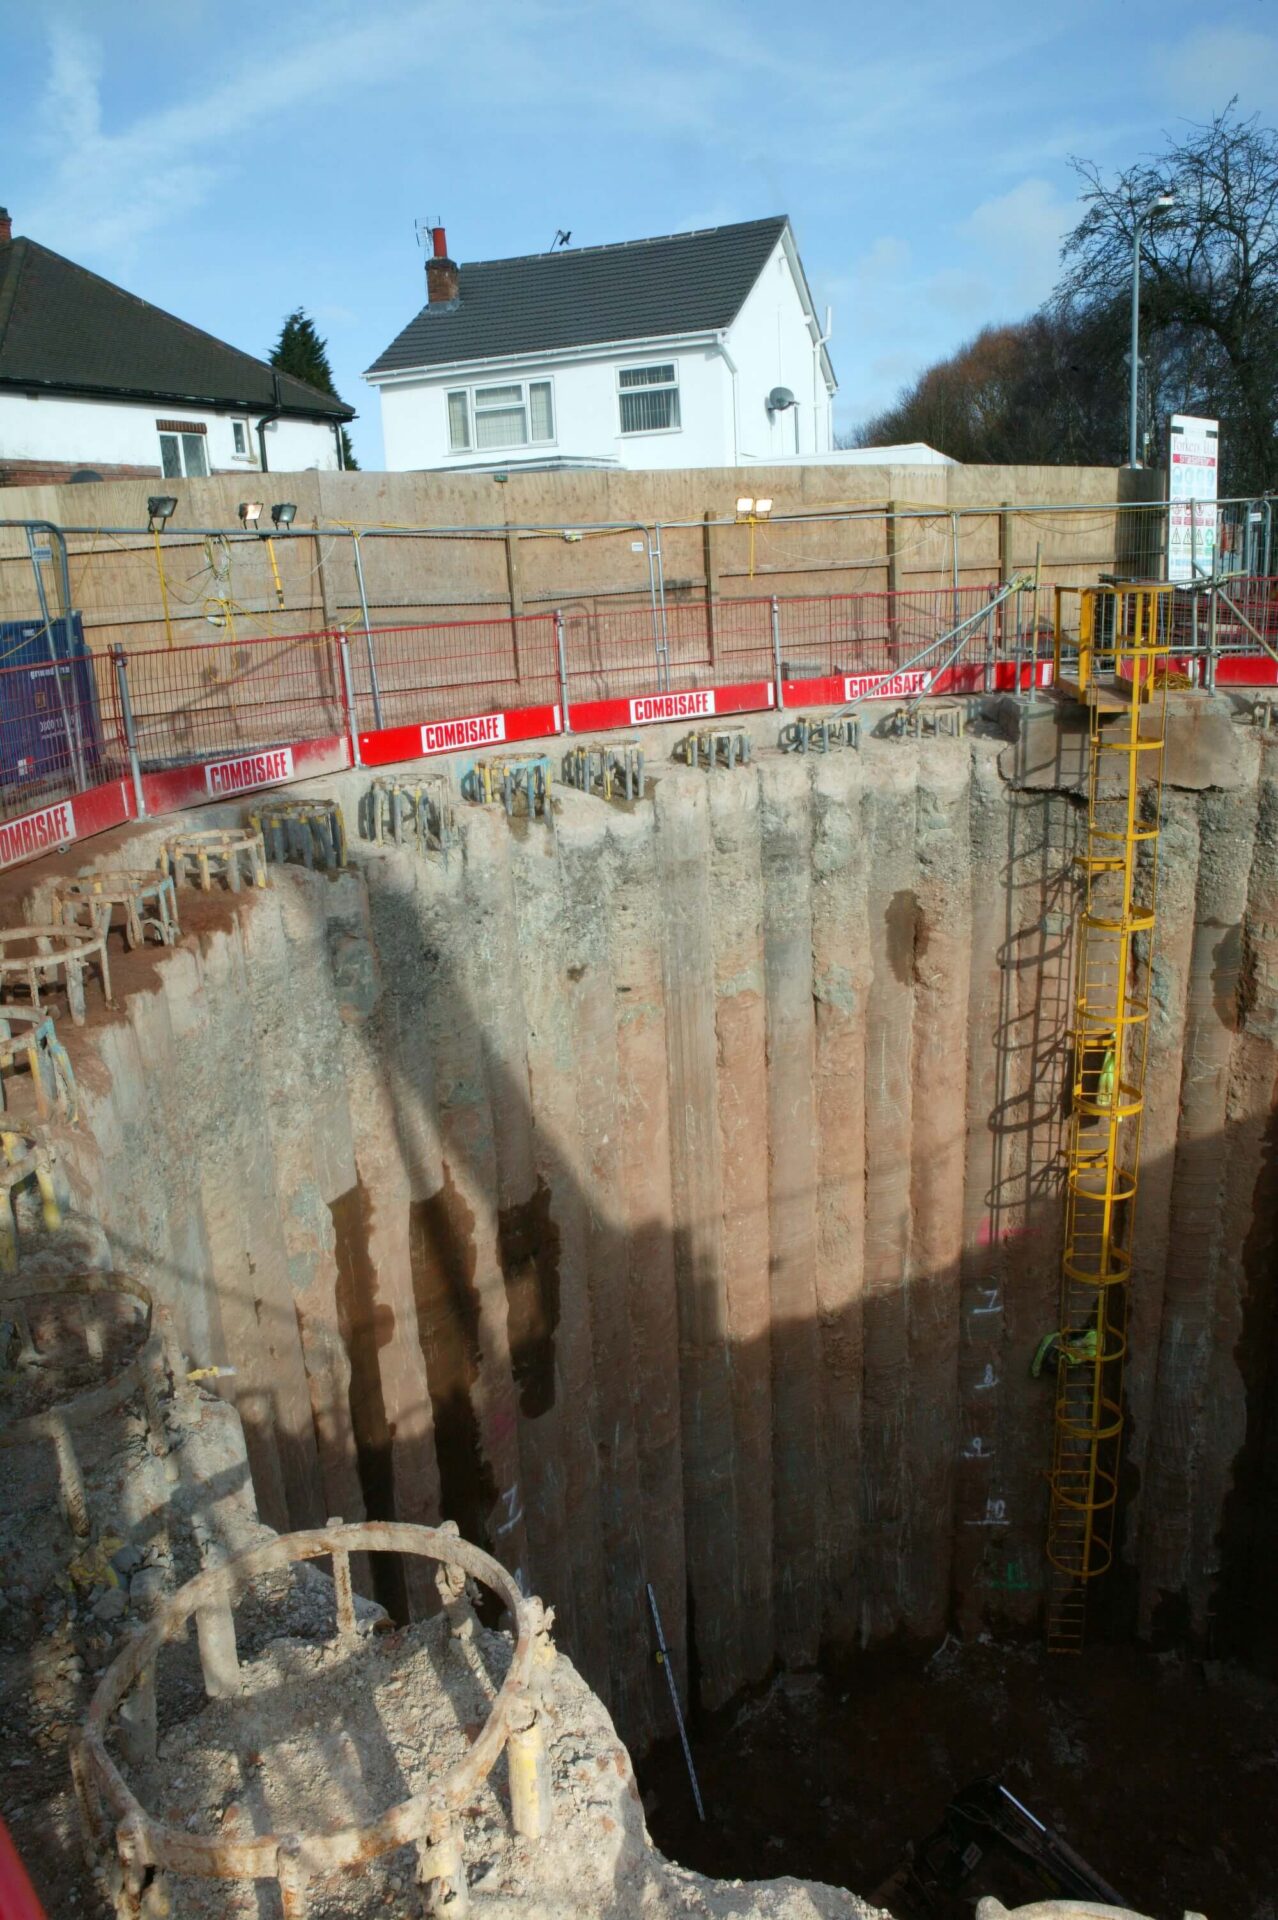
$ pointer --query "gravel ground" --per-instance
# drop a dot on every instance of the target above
(320, 1737)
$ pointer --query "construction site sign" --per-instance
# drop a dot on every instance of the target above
(1193, 448)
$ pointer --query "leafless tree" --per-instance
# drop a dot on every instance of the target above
(1209, 270)
(1052, 389)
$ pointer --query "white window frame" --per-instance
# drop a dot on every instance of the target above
(665, 386)
(470, 393)
(196, 430)
(246, 452)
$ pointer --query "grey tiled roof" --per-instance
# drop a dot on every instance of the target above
(584, 296)
(65, 329)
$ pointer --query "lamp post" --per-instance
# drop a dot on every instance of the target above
(754, 511)
(1163, 203)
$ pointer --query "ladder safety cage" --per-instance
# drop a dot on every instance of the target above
(1122, 647)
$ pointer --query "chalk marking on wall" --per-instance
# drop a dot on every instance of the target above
(987, 1380)
(995, 1515)
(514, 1510)
(991, 1303)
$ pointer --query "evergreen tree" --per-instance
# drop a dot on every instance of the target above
(300, 351)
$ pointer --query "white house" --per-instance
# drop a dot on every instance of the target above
(95, 382)
(692, 350)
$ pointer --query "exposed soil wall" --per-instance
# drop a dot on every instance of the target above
(671, 1194)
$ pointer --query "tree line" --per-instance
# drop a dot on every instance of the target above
(1053, 389)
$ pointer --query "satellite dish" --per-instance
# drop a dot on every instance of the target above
(779, 399)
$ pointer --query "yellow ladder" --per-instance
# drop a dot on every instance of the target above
(1123, 644)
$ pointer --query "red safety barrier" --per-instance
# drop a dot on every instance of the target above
(237, 717)
(94, 811)
(647, 709)
(17, 1895)
(473, 732)
(232, 697)
(1247, 670)
(206, 780)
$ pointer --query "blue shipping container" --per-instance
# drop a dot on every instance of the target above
(34, 722)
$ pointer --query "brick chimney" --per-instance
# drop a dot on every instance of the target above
(441, 272)
(6, 227)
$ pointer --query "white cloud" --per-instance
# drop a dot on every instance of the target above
(1018, 238)
(107, 191)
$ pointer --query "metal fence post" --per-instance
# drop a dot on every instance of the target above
(563, 671)
(987, 678)
(662, 682)
(956, 608)
(1210, 675)
(778, 696)
(348, 697)
(120, 662)
(373, 687)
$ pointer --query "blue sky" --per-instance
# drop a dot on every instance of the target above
(231, 162)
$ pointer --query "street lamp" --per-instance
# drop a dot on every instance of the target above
(1162, 203)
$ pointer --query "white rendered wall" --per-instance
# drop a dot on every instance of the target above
(586, 411)
(771, 342)
(90, 433)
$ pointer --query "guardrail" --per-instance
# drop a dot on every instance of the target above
(91, 743)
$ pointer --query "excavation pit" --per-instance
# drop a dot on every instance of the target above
(676, 1197)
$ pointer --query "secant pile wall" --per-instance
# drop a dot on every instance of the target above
(670, 1193)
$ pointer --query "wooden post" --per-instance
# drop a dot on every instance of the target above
(892, 536)
(892, 548)
(1005, 537)
(514, 589)
(712, 587)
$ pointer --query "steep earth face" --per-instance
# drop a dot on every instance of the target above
(670, 1194)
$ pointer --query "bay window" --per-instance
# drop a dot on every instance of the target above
(518, 413)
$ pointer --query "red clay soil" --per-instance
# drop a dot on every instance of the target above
(1163, 1774)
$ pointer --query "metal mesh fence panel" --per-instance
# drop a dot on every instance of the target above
(194, 703)
(622, 653)
(446, 670)
(862, 633)
(1246, 615)
(740, 643)
(614, 653)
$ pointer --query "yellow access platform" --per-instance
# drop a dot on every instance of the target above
(1120, 654)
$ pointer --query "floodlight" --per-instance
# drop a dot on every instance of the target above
(283, 513)
(159, 508)
(763, 508)
(250, 512)
(745, 506)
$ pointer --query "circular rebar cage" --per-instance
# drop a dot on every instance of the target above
(116, 1823)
